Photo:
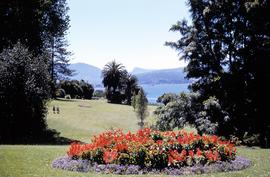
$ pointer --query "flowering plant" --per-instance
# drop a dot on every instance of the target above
(154, 149)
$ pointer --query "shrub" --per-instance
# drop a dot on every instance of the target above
(24, 91)
(187, 108)
(154, 149)
(60, 93)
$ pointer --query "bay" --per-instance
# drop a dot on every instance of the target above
(155, 91)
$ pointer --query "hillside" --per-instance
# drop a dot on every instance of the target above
(165, 76)
(138, 70)
(80, 119)
(86, 72)
(92, 74)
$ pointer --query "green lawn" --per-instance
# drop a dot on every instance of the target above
(79, 120)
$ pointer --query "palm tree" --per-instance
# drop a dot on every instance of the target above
(113, 74)
(131, 87)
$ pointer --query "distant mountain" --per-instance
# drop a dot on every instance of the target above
(164, 76)
(87, 72)
(138, 70)
(92, 74)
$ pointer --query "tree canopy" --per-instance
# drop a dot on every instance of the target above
(24, 89)
(119, 84)
(39, 25)
(227, 47)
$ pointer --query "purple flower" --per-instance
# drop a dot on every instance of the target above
(67, 163)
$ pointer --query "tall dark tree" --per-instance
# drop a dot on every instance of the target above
(24, 90)
(227, 47)
(141, 107)
(130, 86)
(113, 74)
(39, 25)
(87, 89)
(56, 24)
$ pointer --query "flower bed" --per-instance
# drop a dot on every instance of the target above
(149, 151)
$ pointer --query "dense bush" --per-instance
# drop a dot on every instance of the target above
(187, 108)
(167, 97)
(24, 90)
(154, 149)
(77, 89)
(60, 93)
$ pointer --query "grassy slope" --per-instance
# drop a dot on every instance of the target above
(81, 119)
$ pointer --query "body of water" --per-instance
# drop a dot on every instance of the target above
(155, 91)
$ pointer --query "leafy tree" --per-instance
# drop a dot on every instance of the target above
(77, 89)
(227, 47)
(166, 98)
(87, 89)
(186, 108)
(41, 26)
(133, 100)
(177, 112)
(24, 90)
(141, 107)
(113, 75)
(130, 87)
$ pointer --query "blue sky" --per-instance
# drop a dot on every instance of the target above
(132, 32)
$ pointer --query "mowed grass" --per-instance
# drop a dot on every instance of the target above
(80, 119)
(28, 161)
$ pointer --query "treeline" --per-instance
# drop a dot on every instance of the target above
(74, 89)
(33, 56)
(227, 48)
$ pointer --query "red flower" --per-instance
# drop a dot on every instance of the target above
(159, 142)
(191, 153)
(110, 156)
(199, 152)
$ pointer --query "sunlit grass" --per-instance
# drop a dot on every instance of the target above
(80, 119)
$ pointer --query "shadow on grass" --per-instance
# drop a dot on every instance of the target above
(47, 137)
(66, 100)
(53, 138)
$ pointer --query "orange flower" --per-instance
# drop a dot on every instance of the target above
(110, 156)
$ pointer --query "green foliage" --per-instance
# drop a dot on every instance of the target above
(41, 26)
(141, 107)
(113, 74)
(60, 93)
(186, 108)
(130, 87)
(251, 140)
(178, 112)
(87, 89)
(118, 83)
(227, 46)
(133, 100)
(166, 98)
(24, 90)
(77, 89)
